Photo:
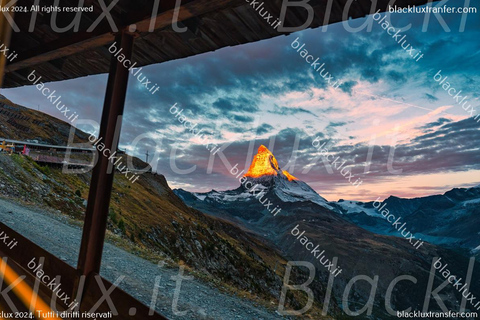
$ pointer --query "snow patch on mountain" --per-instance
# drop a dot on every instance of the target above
(294, 191)
(223, 196)
(471, 202)
(199, 196)
(350, 207)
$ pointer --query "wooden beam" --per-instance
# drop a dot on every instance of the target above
(23, 254)
(127, 307)
(54, 51)
(85, 41)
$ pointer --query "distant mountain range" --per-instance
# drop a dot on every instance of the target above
(352, 231)
(451, 219)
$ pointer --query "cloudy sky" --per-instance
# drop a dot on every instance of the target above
(388, 106)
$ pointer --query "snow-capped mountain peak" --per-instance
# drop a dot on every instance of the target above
(265, 175)
(265, 170)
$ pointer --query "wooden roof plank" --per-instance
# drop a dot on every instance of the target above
(212, 25)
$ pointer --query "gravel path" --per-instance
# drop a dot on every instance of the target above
(198, 299)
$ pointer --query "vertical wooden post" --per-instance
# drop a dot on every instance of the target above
(96, 216)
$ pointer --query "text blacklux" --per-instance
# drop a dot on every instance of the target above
(452, 92)
(314, 63)
(55, 100)
(128, 64)
(460, 285)
(251, 188)
(112, 157)
(336, 163)
(397, 224)
(315, 251)
(397, 36)
(367, 310)
(51, 283)
(192, 127)
(264, 13)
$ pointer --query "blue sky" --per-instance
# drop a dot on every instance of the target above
(265, 93)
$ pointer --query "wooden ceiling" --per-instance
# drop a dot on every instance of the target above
(212, 24)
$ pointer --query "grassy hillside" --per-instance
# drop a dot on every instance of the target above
(20, 123)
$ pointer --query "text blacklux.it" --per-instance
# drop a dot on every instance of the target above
(112, 157)
(192, 127)
(54, 99)
(10, 56)
(128, 64)
(315, 63)
(315, 251)
(5, 238)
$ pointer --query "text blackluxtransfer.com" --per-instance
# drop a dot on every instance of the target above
(429, 9)
(431, 314)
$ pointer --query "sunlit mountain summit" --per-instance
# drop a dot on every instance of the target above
(265, 164)
(264, 175)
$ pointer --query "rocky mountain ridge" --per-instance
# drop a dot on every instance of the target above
(450, 219)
